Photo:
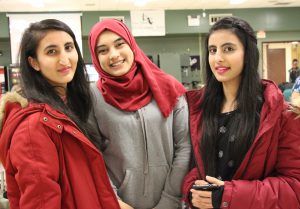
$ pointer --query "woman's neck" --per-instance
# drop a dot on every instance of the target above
(61, 91)
(230, 94)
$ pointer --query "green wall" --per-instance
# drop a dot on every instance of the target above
(280, 24)
(269, 19)
(4, 29)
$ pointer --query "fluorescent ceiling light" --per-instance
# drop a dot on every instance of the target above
(140, 3)
(237, 1)
(35, 3)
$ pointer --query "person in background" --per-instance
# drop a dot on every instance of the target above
(142, 116)
(296, 89)
(294, 72)
(45, 144)
(245, 137)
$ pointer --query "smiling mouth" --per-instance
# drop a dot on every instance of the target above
(117, 63)
(64, 69)
(222, 70)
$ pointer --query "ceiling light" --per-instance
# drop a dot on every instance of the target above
(237, 1)
(140, 3)
(35, 3)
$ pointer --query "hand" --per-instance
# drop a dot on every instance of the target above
(213, 180)
(203, 199)
(124, 205)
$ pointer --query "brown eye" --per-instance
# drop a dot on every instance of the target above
(51, 52)
(212, 50)
(102, 51)
(69, 47)
(228, 49)
(120, 44)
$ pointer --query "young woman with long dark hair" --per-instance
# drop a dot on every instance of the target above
(245, 138)
(45, 143)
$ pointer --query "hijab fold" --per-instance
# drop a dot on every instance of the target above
(144, 80)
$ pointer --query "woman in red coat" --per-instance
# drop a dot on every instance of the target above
(244, 136)
(45, 144)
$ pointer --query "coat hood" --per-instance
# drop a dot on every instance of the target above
(10, 97)
(11, 114)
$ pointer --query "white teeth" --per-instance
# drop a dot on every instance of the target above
(117, 63)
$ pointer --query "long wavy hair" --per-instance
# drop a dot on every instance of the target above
(249, 98)
(35, 86)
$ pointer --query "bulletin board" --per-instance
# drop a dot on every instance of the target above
(19, 22)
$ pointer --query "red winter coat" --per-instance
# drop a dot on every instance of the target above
(49, 163)
(269, 175)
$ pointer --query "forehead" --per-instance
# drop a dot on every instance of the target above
(55, 38)
(107, 36)
(220, 37)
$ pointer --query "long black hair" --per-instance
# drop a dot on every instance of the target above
(35, 86)
(249, 97)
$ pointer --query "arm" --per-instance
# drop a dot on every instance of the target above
(171, 196)
(282, 189)
(188, 181)
(34, 160)
(101, 144)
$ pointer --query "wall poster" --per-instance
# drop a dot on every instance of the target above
(148, 23)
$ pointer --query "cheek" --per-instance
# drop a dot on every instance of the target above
(240, 61)
(211, 61)
(101, 60)
(130, 56)
(75, 58)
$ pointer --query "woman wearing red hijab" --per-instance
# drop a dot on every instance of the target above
(143, 117)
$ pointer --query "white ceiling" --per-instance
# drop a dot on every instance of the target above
(110, 5)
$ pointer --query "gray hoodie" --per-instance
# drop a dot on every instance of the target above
(147, 155)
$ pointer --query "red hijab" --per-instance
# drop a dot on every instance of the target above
(145, 80)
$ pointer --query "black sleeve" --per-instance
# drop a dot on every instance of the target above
(217, 197)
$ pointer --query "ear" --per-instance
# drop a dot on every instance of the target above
(34, 64)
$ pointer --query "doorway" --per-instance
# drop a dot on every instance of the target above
(277, 59)
(276, 65)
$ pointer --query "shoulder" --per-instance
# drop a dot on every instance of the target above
(194, 98)
(290, 125)
(96, 94)
(195, 94)
(181, 102)
(11, 103)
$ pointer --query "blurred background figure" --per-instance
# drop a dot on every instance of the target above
(294, 72)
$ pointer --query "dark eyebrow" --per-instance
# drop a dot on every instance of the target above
(228, 43)
(68, 43)
(50, 47)
(225, 44)
(115, 41)
(55, 46)
(118, 39)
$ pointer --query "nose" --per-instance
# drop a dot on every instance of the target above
(114, 54)
(219, 56)
(64, 59)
